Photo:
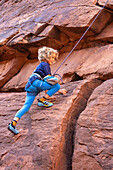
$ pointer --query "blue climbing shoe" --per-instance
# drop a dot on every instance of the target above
(13, 129)
(44, 103)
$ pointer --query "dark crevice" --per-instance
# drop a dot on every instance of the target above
(76, 77)
(71, 76)
(12, 90)
(28, 57)
(108, 8)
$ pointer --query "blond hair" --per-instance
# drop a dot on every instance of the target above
(45, 53)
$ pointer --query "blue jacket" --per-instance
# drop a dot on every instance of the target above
(43, 69)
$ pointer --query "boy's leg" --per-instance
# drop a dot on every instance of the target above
(28, 102)
(52, 89)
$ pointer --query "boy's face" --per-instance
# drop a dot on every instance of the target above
(52, 58)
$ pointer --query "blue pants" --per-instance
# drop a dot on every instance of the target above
(32, 93)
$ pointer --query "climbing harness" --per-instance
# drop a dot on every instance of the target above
(80, 38)
(51, 80)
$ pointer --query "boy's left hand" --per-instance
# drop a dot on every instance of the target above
(63, 91)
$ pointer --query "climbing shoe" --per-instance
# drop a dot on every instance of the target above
(13, 129)
(44, 103)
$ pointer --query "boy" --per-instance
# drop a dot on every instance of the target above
(35, 84)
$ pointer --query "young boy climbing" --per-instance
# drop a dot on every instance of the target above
(35, 84)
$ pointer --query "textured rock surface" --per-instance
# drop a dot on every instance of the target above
(37, 146)
(94, 131)
(42, 22)
(10, 68)
(58, 24)
(86, 63)
(18, 81)
(76, 133)
(64, 156)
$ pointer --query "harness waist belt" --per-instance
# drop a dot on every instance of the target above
(40, 78)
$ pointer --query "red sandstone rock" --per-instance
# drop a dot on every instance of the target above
(19, 81)
(46, 139)
(87, 63)
(10, 68)
(41, 129)
(24, 26)
(30, 28)
(94, 132)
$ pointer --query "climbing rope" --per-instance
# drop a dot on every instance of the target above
(80, 38)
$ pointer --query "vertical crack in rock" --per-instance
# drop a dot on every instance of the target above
(63, 161)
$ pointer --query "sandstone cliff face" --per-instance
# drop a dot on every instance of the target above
(76, 133)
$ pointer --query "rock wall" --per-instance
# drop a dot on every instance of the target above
(76, 133)
(93, 139)
(41, 23)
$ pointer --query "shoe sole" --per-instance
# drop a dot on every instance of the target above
(44, 106)
(12, 131)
